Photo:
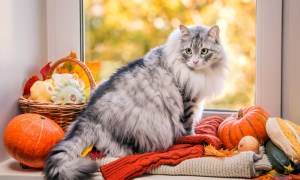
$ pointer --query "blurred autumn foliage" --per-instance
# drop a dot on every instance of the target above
(119, 31)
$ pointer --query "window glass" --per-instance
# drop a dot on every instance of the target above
(120, 31)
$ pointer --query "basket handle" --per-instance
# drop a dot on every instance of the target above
(76, 61)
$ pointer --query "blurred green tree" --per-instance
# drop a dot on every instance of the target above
(120, 31)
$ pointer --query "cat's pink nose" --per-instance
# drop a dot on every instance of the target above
(195, 61)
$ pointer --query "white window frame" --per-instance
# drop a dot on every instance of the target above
(66, 33)
(269, 56)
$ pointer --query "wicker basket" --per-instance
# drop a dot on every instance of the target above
(62, 114)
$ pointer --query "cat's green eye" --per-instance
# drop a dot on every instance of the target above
(188, 50)
(204, 51)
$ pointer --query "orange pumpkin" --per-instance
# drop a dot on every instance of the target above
(249, 121)
(28, 138)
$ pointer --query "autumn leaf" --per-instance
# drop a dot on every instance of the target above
(67, 67)
(212, 151)
(72, 55)
(78, 70)
(71, 68)
(44, 71)
(86, 151)
(94, 67)
(82, 75)
(62, 70)
(28, 84)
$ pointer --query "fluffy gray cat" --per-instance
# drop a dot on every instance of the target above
(145, 105)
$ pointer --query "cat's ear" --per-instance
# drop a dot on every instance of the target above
(184, 30)
(214, 32)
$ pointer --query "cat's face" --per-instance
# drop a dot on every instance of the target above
(200, 47)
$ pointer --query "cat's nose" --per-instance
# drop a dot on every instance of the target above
(195, 61)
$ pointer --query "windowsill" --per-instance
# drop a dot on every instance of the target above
(10, 170)
(222, 114)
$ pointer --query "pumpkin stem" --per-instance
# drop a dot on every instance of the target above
(43, 117)
(240, 114)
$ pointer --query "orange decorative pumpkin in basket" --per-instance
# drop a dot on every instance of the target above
(28, 138)
(250, 121)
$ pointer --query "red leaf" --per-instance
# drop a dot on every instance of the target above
(28, 84)
(44, 71)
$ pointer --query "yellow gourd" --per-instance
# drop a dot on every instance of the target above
(286, 135)
(41, 91)
(50, 81)
(248, 143)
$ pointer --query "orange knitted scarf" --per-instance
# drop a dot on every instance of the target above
(186, 147)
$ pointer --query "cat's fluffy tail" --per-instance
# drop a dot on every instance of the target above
(65, 162)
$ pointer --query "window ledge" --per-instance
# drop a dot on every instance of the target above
(10, 170)
(222, 114)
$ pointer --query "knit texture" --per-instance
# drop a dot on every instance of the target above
(208, 125)
(135, 165)
(186, 147)
(236, 166)
(205, 139)
(243, 165)
(184, 159)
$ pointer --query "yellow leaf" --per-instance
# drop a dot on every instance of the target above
(94, 67)
(72, 55)
(62, 70)
(71, 68)
(212, 151)
(86, 81)
(67, 67)
(86, 151)
(82, 75)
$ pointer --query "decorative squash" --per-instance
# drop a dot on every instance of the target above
(280, 162)
(250, 121)
(249, 143)
(62, 78)
(28, 138)
(286, 135)
(68, 92)
(41, 91)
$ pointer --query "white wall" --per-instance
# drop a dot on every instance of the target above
(23, 51)
(63, 28)
(291, 60)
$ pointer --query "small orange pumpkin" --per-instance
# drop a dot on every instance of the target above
(28, 138)
(250, 121)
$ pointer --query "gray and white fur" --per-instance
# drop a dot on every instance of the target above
(145, 105)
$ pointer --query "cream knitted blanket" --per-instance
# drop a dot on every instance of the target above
(243, 165)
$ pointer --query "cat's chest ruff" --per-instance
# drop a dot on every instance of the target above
(200, 85)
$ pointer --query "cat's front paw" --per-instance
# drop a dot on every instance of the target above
(187, 119)
(189, 109)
